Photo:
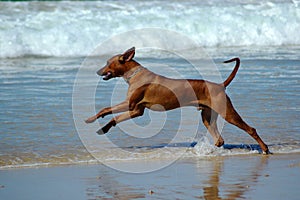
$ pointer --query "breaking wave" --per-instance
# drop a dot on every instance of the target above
(69, 29)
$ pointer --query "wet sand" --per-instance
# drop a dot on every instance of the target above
(232, 177)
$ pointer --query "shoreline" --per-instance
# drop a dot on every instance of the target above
(234, 177)
(94, 161)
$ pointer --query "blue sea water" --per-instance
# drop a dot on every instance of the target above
(43, 44)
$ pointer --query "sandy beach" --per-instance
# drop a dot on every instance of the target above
(233, 177)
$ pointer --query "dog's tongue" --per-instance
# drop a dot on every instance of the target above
(107, 76)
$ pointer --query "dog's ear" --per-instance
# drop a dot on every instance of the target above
(128, 55)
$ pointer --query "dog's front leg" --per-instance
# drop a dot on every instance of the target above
(122, 107)
(120, 118)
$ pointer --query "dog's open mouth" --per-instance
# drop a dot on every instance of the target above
(107, 76)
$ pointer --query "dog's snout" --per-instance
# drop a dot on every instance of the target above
(99, 72)
(106, 73)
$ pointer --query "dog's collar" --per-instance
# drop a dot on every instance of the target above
(127, 79)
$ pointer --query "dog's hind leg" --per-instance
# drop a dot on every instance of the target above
(209, 119)
(231, 116)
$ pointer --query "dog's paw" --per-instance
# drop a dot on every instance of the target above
(220, 142)
(106, 128)
(100, 132)
(267, 152)
(90, 120)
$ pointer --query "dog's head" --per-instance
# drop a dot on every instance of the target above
(118, 65)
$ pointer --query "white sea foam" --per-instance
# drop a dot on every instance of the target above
(75, 28)
(203, 149)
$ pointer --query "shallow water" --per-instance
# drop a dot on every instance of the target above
(38, 128)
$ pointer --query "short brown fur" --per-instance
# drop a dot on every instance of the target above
(159, 93)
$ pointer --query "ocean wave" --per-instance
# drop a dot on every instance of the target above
(66, 29)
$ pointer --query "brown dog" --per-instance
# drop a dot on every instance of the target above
(155, 92)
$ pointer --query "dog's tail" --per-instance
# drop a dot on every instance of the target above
(233, 73)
